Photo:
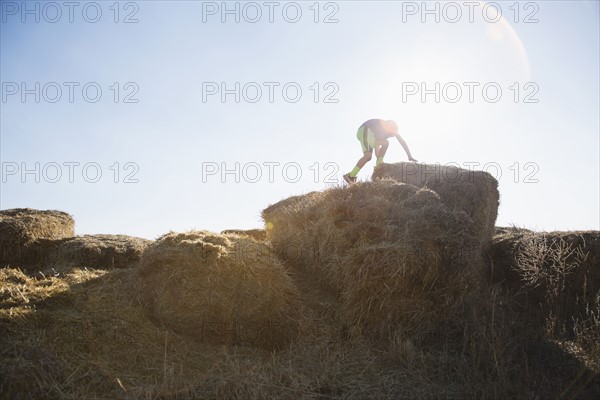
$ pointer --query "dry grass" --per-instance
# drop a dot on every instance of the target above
(84, 335)
(20, 228)
(474, 192)
(229, 286)
(400, 261)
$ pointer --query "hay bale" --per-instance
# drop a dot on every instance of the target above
(86, 251)
(218, 288)
(474, 192)
(20, 228)
(99, 252)
(400, 261)
(258, 234)
(551, 274)
(501, 256)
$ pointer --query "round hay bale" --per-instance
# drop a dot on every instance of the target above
(20, 228)
(474, 192)
(400, 261)
(218, 288)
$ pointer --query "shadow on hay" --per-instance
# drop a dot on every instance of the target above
(90, 338)
(31, 366)
(549, 274)
(84, 336)
(51, 256)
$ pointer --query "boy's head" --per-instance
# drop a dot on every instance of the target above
(391, 126)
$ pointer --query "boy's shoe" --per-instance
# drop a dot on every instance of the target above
(349, 179)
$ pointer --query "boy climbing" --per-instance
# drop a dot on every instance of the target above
(374, 134)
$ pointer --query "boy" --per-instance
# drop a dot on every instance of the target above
(374, 134)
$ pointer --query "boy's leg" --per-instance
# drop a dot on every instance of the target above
(367, 142)
(360, 163)
(380, 151)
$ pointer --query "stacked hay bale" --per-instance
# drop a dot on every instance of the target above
(474, 192)
(37, 240)
(551, 274)
(502, 256)
(22, 228)
(218, 288)
(400, 261)
(95, 251)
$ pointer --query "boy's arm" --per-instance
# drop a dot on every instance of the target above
(405, 147)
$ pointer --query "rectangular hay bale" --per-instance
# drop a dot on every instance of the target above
(474, 192)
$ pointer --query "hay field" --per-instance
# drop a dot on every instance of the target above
(400, 302)
(85, 335)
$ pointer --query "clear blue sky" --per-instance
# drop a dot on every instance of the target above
(545, 154)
